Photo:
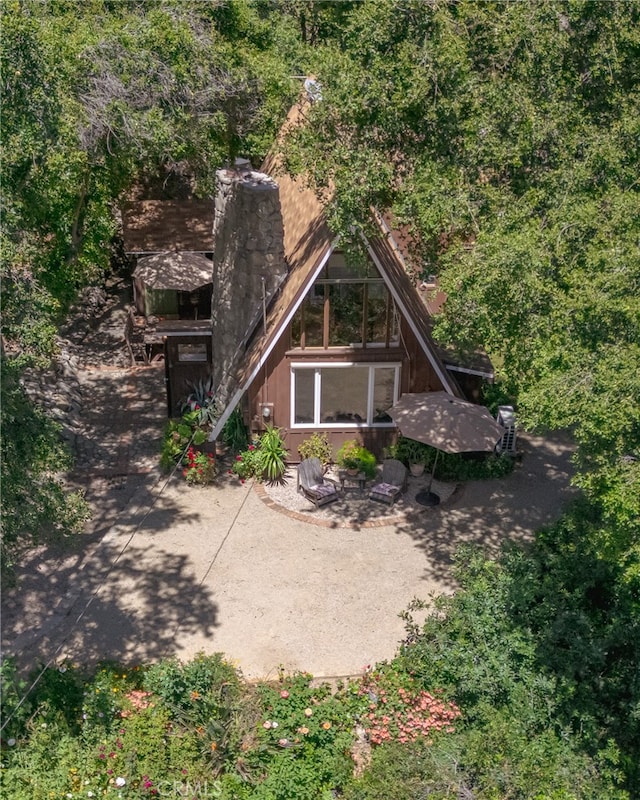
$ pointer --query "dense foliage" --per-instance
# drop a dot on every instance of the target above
(96, 98)
(524, 684)
(507, 137)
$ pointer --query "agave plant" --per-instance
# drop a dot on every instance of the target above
(202, 401)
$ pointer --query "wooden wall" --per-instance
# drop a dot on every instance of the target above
(272, 386)
(178, 374)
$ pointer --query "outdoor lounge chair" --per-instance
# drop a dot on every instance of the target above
(393, 483)
(314, 485)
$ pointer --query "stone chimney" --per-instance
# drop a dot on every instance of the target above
(248, 263)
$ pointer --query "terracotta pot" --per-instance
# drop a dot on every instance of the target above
(353, 472)
(416, 469)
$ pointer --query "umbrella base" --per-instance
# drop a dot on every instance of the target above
(426, 498)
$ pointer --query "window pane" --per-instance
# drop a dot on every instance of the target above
(377, 313)
(304, 395)
(338, 269)
(296, 328)
(345, 326)
(344, 394)
(192, 352)
(384, 379)
(314, 317)
(162, 302)
(394, 333)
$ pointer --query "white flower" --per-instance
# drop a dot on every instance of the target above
(62, 668)
(100, 714)
(120, 781)
(89, 794)
(274, 724)
(11, 742)
(44, 725)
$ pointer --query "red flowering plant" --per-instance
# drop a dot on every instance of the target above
(393, 708)
(200, 468)
(248, 463)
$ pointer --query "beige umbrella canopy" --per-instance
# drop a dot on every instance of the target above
(182, 272)
(447, 423)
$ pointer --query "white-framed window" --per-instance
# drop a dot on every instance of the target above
(343, 395)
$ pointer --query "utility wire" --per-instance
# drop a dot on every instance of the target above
(150, 508)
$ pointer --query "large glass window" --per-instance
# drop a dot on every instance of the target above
(343, 395)
(355, 304)
(345, 314)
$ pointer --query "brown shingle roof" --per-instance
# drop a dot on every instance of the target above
(307, 241)
(307, 244)
(157, 226)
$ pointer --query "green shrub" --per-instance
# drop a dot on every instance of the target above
(317, 446)
(451, 466)
(264, 459)
(177, 437)
(352, 455)
(201, 401)
(234, 432)
(272, 454)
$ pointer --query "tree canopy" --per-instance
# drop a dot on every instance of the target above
(506, 135)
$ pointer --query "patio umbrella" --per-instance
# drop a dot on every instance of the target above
(182, 272)
(445, 422)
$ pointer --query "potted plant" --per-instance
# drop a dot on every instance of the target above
(355, 458)
(414, 453)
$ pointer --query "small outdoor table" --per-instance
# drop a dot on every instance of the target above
(346, 480)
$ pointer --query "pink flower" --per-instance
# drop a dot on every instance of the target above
(284, 694)
(252, 447)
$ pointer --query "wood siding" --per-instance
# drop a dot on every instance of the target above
(272, 386)
(179, 374)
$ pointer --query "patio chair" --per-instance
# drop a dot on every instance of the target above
(314, 485)
(393, 483)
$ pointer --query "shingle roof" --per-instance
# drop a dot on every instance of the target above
(157, 226)
(307, 244)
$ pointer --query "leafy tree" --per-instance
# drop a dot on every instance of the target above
(97, 97)
(506, 136)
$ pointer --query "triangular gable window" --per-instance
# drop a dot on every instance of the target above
(346, 307)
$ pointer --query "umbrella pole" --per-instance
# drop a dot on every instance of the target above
(426, 497)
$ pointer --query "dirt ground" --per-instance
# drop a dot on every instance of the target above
(183, 569)
(166, 569)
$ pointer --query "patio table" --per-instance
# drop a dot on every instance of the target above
(352, 481)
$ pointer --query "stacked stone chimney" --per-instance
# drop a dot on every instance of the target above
(248, 266)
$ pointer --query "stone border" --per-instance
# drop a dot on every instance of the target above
(327, 523)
